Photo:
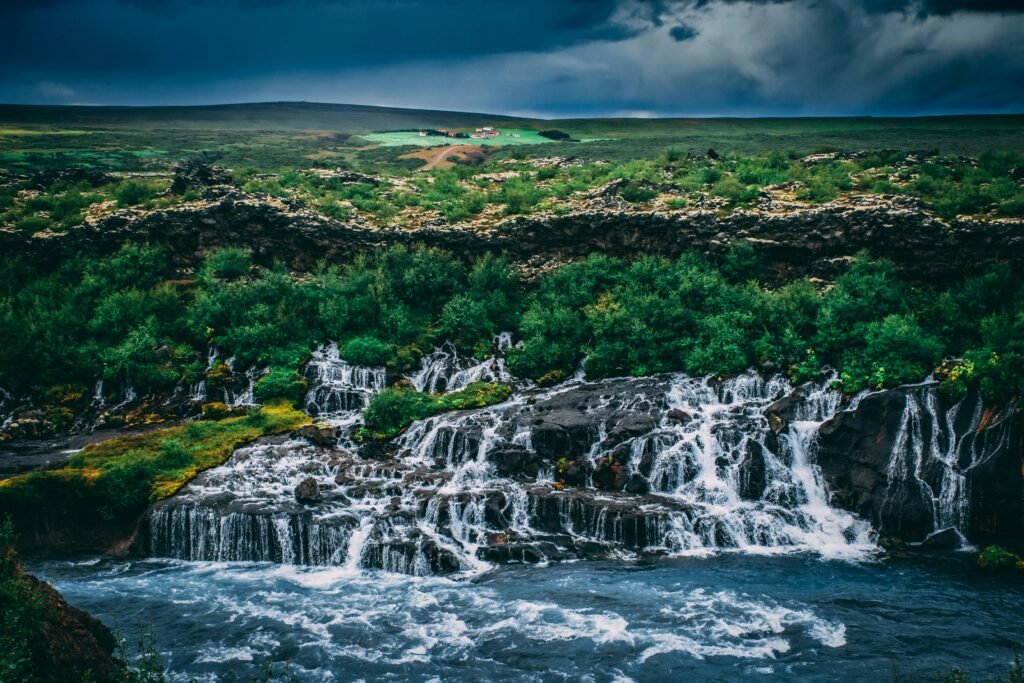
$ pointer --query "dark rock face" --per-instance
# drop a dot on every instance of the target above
(567, 425)
(70, 176)
(308, 491)
(73, 645)
(901, 492)
(782, 412)
(853, 453)
(947, 539)
(997, 487)
(195, 175)
(752, 472)
(807, 241)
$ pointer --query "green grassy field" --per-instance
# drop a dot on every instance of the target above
(276, 136)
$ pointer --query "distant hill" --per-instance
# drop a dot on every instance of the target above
(340, 118)
(277, 135)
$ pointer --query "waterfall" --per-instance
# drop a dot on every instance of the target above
(339, 391)
(6, 403)
(620, 467)
(247, 396)
(932, 455)
(446, 370)
(197, 392)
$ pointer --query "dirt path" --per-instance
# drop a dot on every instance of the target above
(438, 157)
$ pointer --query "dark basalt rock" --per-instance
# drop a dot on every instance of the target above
(853, 454)
(308, 491)
(752, 472)
(195, 174)
(811, 241)
(947, 539)
(680, 416)
(72, 645)
(782, 412)
(854, 450)
(70, 176)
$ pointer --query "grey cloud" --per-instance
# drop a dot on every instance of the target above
(683, 32)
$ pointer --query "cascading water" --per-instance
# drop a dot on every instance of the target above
(446, 370)
(664, 465)
(933, 454)
(339, 391)
(247, 395)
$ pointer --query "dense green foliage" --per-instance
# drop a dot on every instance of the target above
(21, 612)
(392, 410)
(657, 315)
(127, 319)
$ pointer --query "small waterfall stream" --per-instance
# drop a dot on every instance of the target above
(933, 454)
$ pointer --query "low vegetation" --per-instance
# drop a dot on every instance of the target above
(989, 185)
(114, 481)
(392, 410)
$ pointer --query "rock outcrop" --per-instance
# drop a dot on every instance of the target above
(73, 645)
(914, 464)
(804, 241)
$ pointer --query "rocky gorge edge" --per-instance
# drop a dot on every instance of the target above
(795, 242)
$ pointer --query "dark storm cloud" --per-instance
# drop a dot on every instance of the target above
(683, 32)
(557, 57)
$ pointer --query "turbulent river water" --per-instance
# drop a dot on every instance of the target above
(728, 617)
(628, 529)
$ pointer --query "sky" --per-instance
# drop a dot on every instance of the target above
(548, 58)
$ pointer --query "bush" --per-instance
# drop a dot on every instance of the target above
(392, 410)
(281, 383)
(635, 193)
(732, 189)
(368, 351)
(133, 193)
(226, 263)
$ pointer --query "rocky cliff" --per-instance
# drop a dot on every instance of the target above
(797, 242)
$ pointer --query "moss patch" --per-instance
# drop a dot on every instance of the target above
(115, 480)
(392, 410)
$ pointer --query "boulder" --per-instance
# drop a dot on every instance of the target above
(945, 539)
(782, 412)
(678, 415)
(196, 174)
(752, 472)
(308, 491)
(319, 434)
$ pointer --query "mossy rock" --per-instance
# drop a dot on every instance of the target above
(67, 394)
(550, 379)
(218, 376)
(995, 557)
(218, 411)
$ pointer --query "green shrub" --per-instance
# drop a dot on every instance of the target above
(368, 351)
(281, 383)
(33, 224)
(635, 193)
(133, 193)
(226, 263)
(735, 191)
(392, 410)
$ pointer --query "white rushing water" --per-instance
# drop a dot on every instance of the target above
(933, 453)
(448, 500)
